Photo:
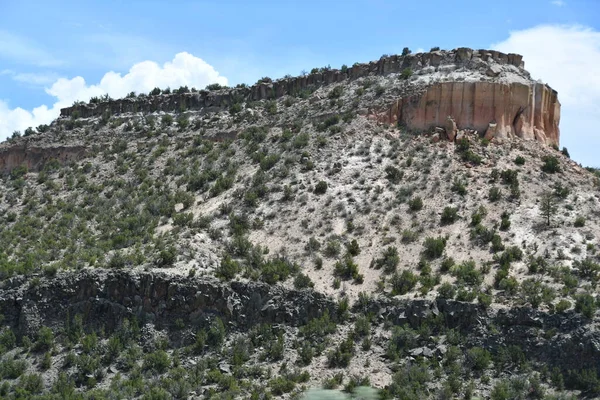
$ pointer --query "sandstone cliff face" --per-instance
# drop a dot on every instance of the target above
(514, 109)
(474, 87)
(35, 157)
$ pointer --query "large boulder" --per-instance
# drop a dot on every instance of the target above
(451, 128)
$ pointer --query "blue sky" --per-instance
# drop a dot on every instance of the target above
(46, 45)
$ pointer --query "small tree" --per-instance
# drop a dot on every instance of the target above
(547, 206)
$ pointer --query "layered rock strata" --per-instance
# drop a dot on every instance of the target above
(496, 110)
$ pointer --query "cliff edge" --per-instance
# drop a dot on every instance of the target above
(483, 90)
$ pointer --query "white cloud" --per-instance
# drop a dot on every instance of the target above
(558, 3)
(567, 58)
(184, 70)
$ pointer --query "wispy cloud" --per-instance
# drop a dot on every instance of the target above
(120, 51)
(19, 49)
(31, 78)
(558, 3)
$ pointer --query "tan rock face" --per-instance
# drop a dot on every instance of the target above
(34, 158)
(516, 109)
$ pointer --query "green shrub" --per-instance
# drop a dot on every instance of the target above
(410, 382)
(340, 357)
(353, 248)
(336, 92)
(320, 187)
(18, 172)
(560, 191)
(509, 176)
(235, 108)
(551, 164)
(346, 268)
(362, 326)
(45, 340)
(434, 247)
(388, 261)
(406, 73)
(269, 162)
(415, 204)
(404, 282)
(216, 333)
(11, 368)
(520, 160)
(31, 383)
(312, 245)
(166, 257)
(409, 236)
(306, 353)
(183, 219)
(393, 174)
(329, 122)
(447, 291)
(481, 235)
(501, 391)
(302, 281)
(585, 380)
(586, 305)
(505, 221)
(478, 216)
(280, 385)
(447, 264)
(587, 268)
(449, 215)
(317, 329)
(332, 248)
(497, 244)
(579, 221)
(459, 186)
(562, 306)
(228, 268)
(478, 358)
(467, 273)
(277, 269)
(495, 194)
(534, 292)
(157, 361)
(167, 120)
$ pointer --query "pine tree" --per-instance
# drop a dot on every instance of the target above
(547, 206)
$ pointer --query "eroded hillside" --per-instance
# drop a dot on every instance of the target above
(336, 229)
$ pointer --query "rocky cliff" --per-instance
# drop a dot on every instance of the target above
(481, 90)
(496, 110)
(104, 299)
(35, 157)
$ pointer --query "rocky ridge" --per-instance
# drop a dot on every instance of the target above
(484, 90)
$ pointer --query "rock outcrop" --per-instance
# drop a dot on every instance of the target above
(474, 87)
(105, 298)
(529, 111)
(35, 157)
